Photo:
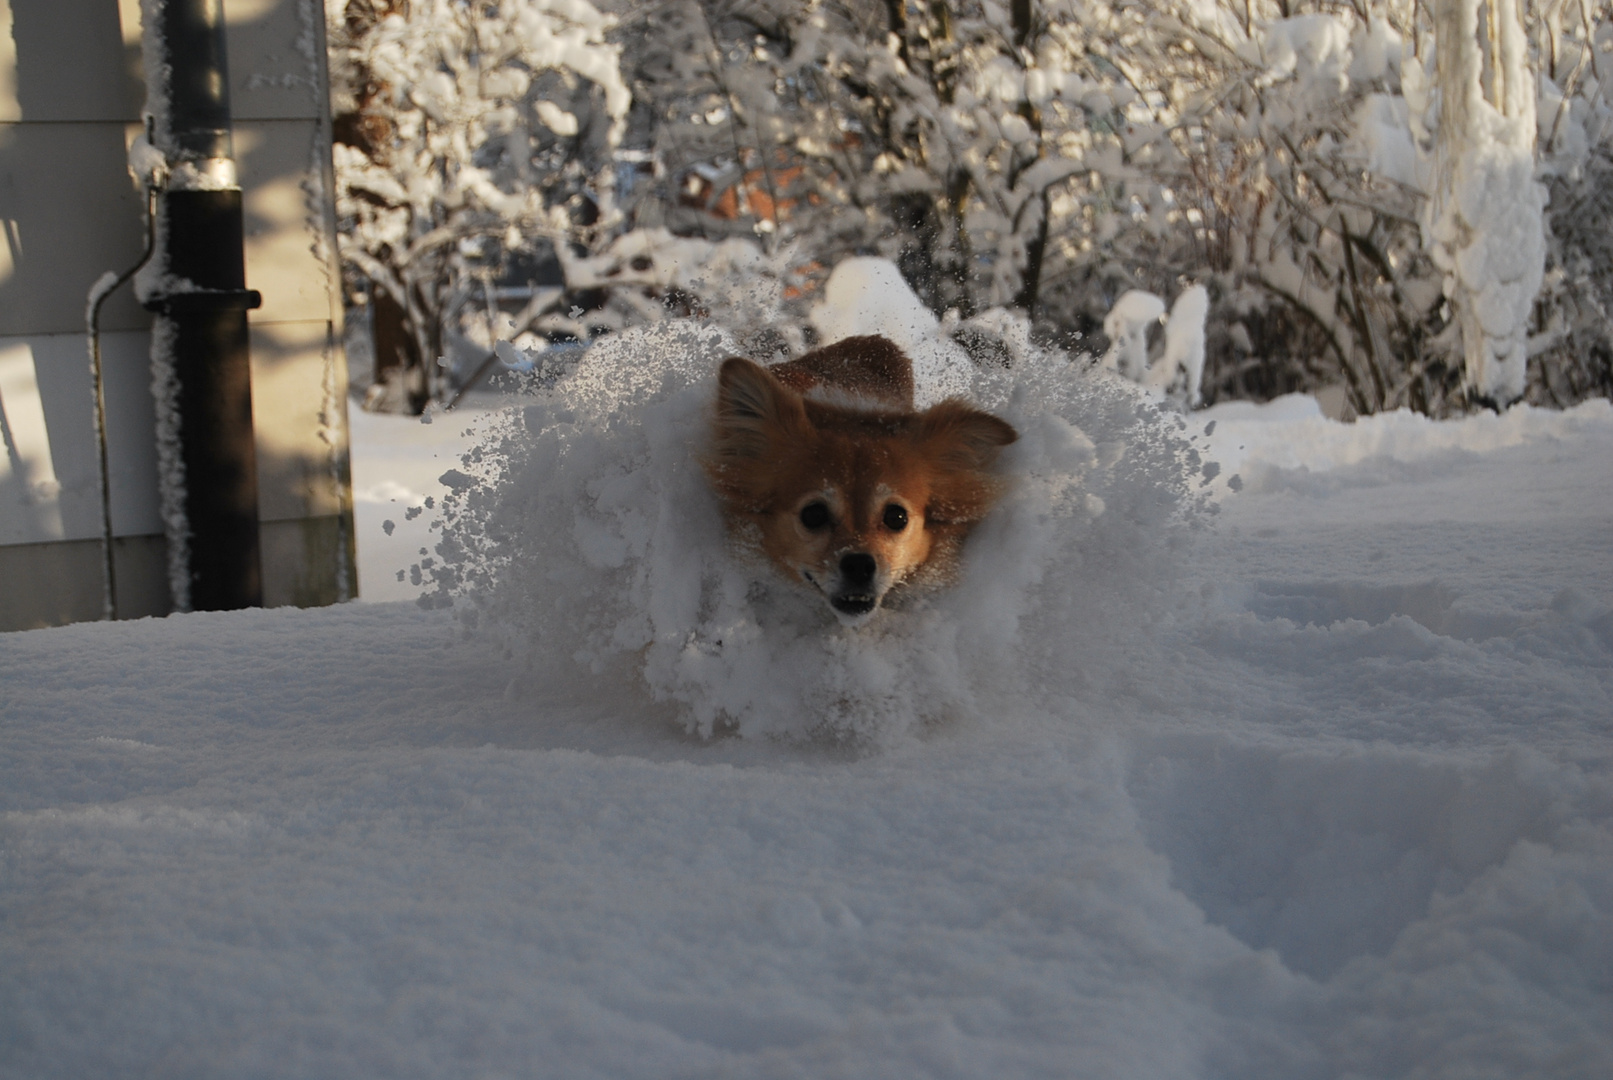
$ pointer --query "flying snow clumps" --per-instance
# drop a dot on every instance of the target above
(582, 531)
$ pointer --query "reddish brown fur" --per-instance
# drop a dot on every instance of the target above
(871, 367)
(775, 451)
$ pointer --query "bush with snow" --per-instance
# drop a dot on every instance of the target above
(466, 134)
(1049, 157)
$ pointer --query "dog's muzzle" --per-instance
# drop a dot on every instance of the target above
(856, 595)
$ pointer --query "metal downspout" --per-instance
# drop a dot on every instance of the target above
(201, 292)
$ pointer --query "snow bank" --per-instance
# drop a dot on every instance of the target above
(586, 527)
(1271, 444)
(1339, 806)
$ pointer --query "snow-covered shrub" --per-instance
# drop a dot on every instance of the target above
(1289, 159)
(1050, 156)
(1571, 355)
(1044, 156)
(933, 135)
(1260, 153)
(468, 135)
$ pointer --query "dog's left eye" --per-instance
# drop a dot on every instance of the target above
(895, 518)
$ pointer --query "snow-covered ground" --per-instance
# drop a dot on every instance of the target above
(1321, 789)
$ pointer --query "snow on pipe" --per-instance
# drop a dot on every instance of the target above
(201, 362)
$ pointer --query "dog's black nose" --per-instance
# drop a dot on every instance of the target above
(857, 570)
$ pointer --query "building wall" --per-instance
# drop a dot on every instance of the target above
(71, 89)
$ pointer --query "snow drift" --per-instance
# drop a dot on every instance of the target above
(1325, 793)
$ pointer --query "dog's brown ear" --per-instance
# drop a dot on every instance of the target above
(753, 409)
(965, 443)
(962, 437)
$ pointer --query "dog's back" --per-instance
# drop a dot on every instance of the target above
(870, 369)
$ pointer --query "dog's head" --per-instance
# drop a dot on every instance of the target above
(852, 501)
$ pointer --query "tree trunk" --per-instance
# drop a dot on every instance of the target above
(397, 356)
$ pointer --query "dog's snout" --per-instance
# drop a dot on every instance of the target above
(857, 569)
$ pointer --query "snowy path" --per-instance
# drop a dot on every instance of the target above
(1349, 813)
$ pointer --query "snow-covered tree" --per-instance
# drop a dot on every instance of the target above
(1571, 353)
(1283, 157)
(1484, 215)
(918, 132)
(468, 135)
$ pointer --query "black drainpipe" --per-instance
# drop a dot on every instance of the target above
(202, 294)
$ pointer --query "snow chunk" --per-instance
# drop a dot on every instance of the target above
(1383, 140)
(1184, 346)
(1126, 326)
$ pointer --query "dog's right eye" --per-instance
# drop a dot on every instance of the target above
(815, 515)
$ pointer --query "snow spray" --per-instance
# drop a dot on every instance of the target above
(582, 527)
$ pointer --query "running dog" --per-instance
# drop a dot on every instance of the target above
(823, 463)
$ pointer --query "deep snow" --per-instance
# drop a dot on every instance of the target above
(1318, 785)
